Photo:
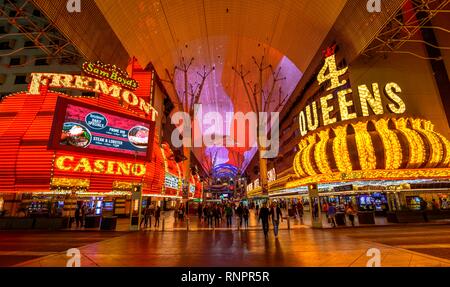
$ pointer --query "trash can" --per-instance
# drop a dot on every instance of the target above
(366, 217)
(92, 221)
(109, 223)
(340, 219)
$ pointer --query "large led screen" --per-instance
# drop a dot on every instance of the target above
(91, 129)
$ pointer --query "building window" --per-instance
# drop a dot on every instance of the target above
(28, 44)
(41, 62)
(14, 61)
(6, 45)
(2, 79)
(20, 80)
(37, 13)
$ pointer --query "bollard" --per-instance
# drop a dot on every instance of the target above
(163, 224)
(187, 223)
(289, 222)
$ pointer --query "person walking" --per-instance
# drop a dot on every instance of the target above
(83, 214)
(229, 215)
(264, 214)
(78, 215)
(300, 210)
(350, 211)
(423, 208)
(181, 213)
(240, 214)
(210, 216)
(332, 214)
(157, 216)
(200, 213)
(257, 209)
(276, 215)
(144, 219)
(217, 216)
(245, 215)
(316, 209)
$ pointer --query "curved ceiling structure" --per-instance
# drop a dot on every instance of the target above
(224, 34)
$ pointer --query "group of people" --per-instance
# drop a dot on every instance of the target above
(147, 214)
(265, 213)
(331, 209)
(214, 214)
(80, 214)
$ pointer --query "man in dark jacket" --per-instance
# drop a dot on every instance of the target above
(275, 213)
(264, 214)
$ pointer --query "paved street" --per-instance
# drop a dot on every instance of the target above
(432, 240)
(298, 247)
(20, 246)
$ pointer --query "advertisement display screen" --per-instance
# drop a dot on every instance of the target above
(172, 181)
(87, 128)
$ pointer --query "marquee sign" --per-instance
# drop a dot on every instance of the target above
(110, 73)
(89, 84)
(110, 167)
(370, 98)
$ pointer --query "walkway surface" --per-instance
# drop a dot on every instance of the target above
(231, 248)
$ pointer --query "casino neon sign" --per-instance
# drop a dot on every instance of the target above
(89, 84)
(99, 166)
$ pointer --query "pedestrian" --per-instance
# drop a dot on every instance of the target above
(300, 210)
(210, 216)
(78, 215)
(240, 214)
(257, 209)
(444, 204)
(264, 214)
(423, 208)
(157, 216)
(350, 211)
(229, 215)
(435, 205)
(245, 215)
(332, 214)
(275, 213)
(217, 216)
(316, 209)
(181, 213)
(325, 207)
(83, 214)
(200, 212)
(144, 219)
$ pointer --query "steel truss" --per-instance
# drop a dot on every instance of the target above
(39, 30)
(405, 25)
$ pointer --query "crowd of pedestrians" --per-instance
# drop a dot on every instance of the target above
(213, 215)
(147, 213)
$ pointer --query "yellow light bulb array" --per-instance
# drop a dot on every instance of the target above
(416, 144)
(365, 148)
(392, 149)
(306, 156)
(436, 152)
(320, 152)
(340, 149)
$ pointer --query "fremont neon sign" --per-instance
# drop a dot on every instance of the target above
(100, 166)
(89, 84)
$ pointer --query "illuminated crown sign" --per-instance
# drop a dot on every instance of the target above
(330, 51)
(110, 73)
